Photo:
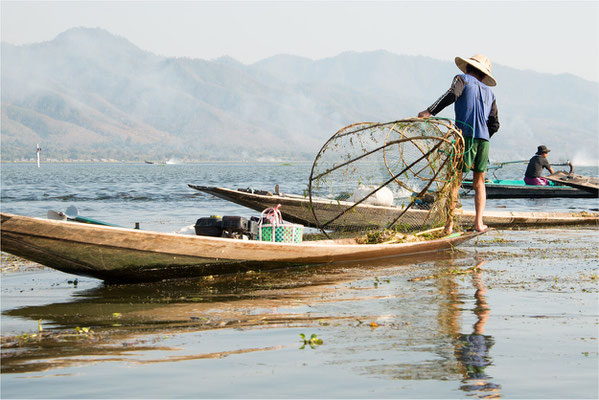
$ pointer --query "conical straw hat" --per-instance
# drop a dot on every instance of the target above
(481, 63)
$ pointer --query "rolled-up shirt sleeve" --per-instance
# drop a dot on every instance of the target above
(545, 164)
(449, 97)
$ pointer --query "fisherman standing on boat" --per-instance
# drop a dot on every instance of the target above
(533, 173)
(476, 115)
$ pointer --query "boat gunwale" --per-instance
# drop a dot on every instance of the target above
(503, 217)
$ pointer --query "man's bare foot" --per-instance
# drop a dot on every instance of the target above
(481, 228)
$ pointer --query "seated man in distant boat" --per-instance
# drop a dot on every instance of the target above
(535, 168)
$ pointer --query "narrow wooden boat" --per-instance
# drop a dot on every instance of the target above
(587, 184)
(514, 189)
(296, 209)
(117, 254)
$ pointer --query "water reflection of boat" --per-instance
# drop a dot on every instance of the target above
(119, 315)
(296, 208)
(120, 254)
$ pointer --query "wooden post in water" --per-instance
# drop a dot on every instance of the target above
(39, 149)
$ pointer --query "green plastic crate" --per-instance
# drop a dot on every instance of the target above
(284, 233)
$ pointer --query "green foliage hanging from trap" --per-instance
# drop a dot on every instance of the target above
(397, 175)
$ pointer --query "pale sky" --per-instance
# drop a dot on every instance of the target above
(553, 37)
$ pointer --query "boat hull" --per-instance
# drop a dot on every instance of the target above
(297, 209)
(522, 191)
(128, 255)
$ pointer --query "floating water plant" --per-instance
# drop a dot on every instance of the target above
(378, 281)
(83, 330)
(453, 271)
(312, 342)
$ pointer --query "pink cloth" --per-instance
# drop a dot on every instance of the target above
(536, 181)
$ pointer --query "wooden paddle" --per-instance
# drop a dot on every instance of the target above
(586, 183)
(72, 214)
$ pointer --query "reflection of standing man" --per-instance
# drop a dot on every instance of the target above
(476, 116)
(472, 351)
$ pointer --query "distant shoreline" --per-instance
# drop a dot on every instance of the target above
(299, 161)
(160, 162)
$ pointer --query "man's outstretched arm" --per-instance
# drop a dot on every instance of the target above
(449, 97)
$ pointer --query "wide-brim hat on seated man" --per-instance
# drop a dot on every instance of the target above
(542, 150)
(481, 63)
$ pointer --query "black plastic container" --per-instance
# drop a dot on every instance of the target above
(235, 224)
(253, 224)
(209, 226)
(238, 227)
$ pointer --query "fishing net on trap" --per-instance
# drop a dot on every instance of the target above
(398, 175)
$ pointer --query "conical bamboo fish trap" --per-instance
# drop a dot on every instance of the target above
(412, 164)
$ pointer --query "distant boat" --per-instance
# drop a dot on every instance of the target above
(517, 189)
(149, 162)
(562, 187)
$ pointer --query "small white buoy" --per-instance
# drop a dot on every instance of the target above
(39, 149)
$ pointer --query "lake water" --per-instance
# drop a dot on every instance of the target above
(158, 197)
(523, 324)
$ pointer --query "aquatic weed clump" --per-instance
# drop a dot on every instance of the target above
(387, 236)
(46, 337)
(395, 235)
(312, 342)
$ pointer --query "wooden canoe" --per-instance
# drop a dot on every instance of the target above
(513, 189)
(580, 182)
(295, 208)
(117, 254)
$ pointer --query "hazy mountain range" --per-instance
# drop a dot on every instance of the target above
(89, 94)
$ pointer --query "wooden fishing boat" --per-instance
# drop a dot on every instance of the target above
(514, 189)
(116, 254)
(564, 185)
(297, 209)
